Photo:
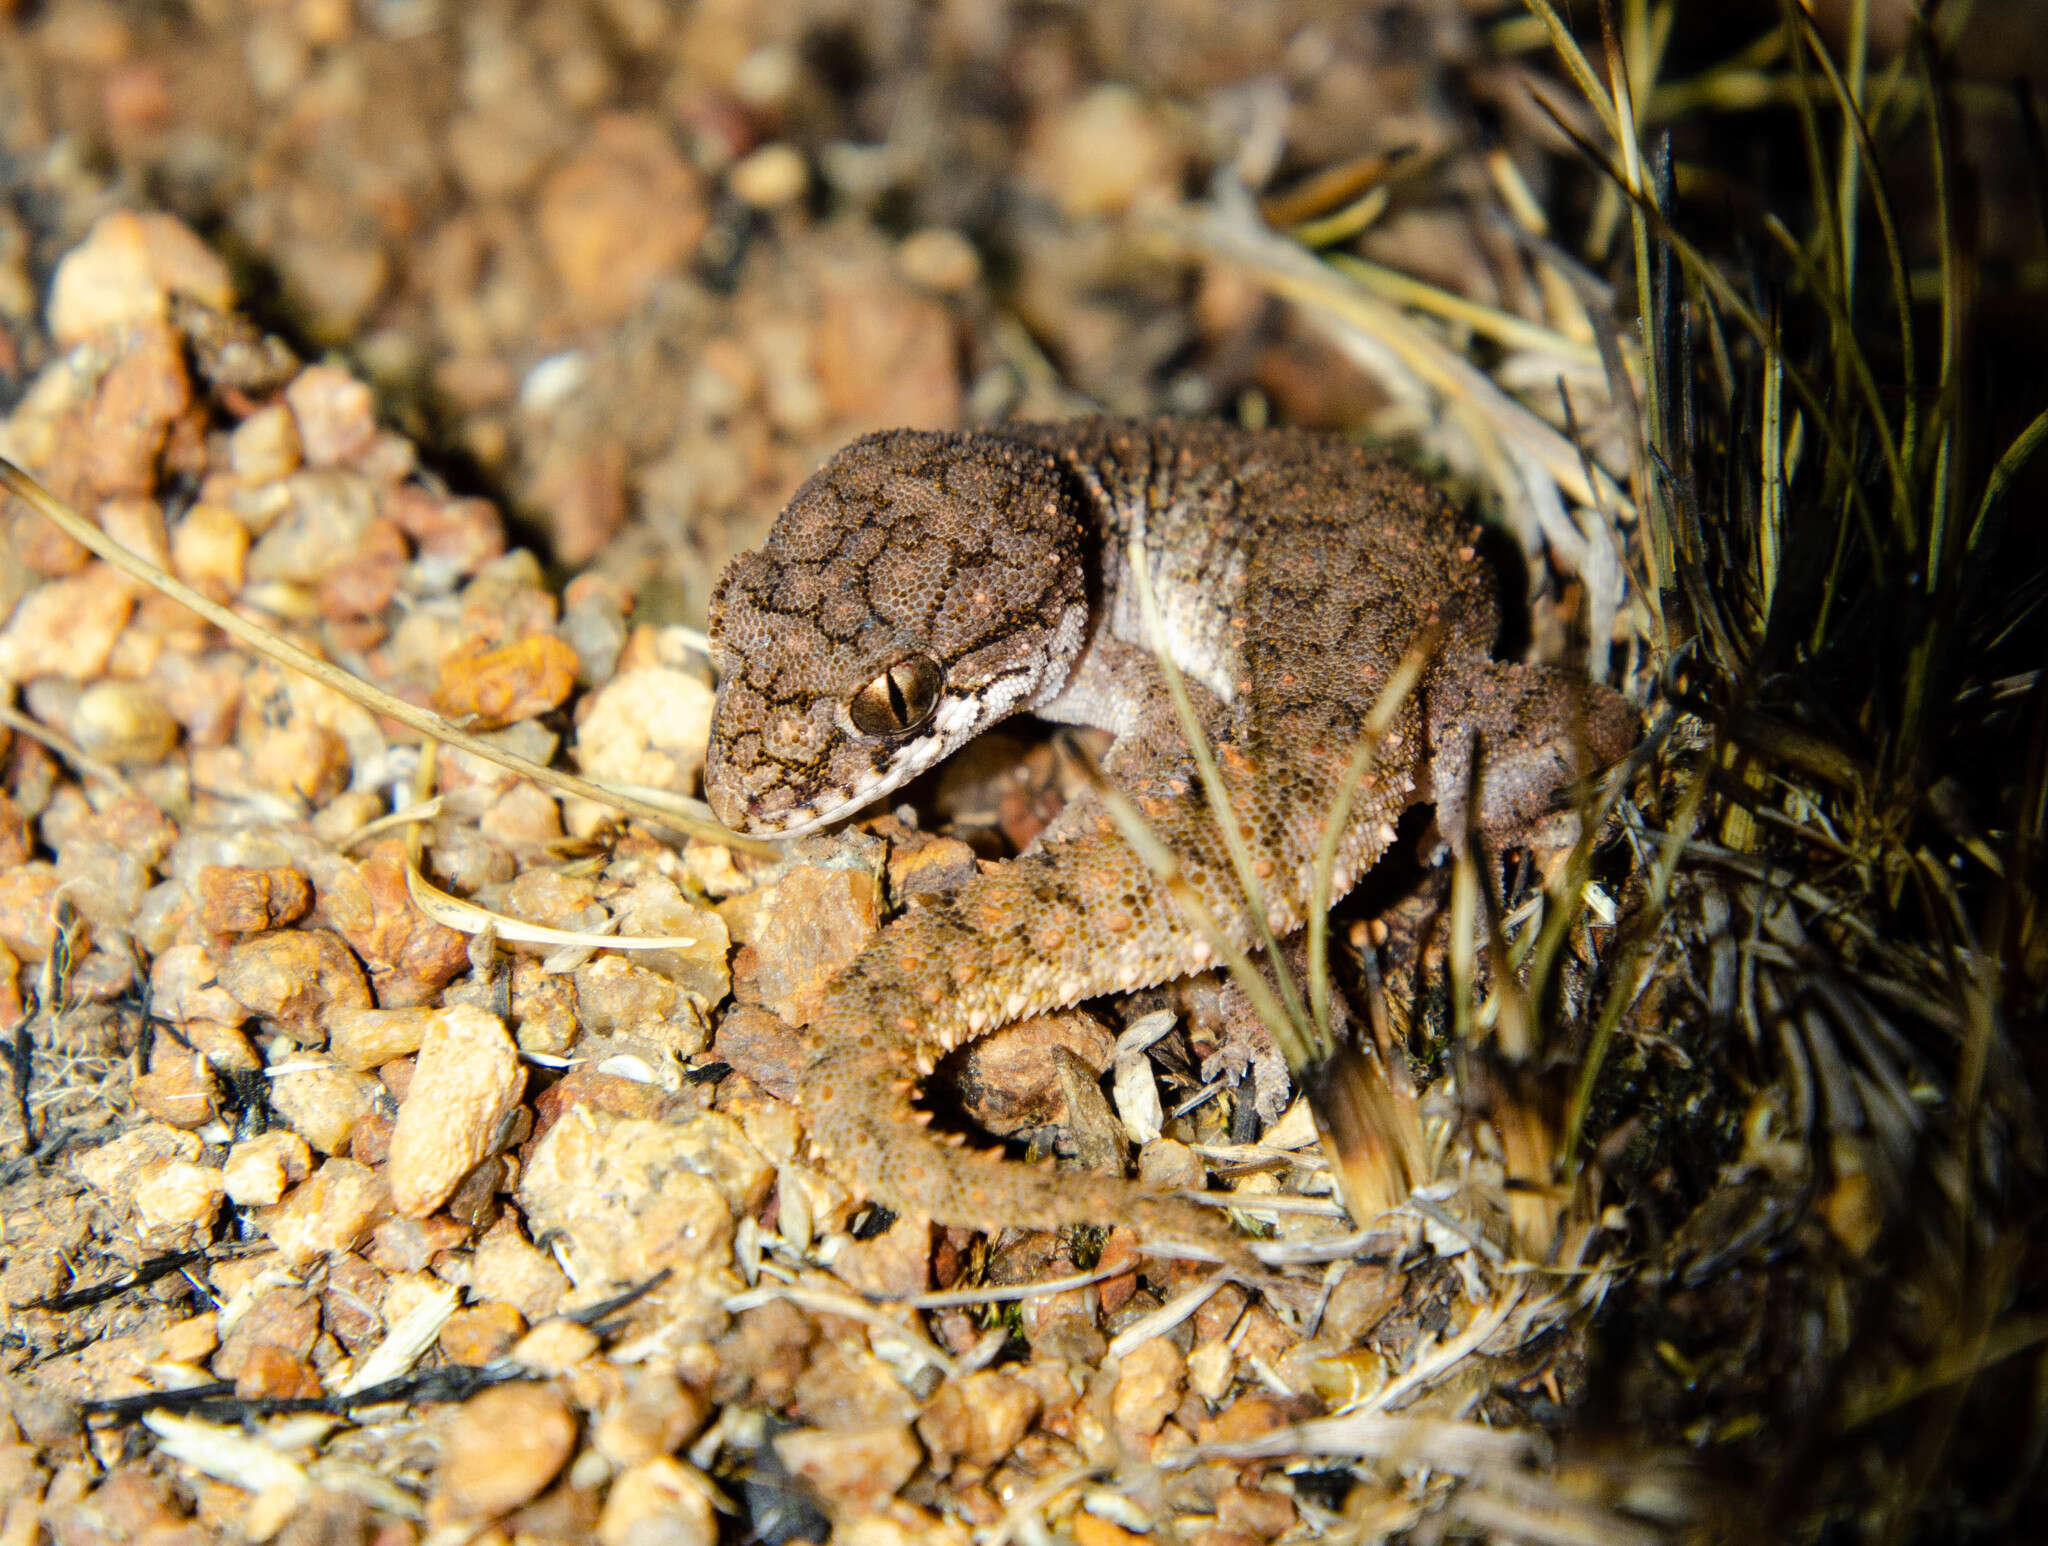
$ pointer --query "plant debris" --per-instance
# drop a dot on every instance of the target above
(397, 1145)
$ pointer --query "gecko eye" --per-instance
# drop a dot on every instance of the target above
(899, 700)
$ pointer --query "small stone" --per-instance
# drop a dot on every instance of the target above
(1093, 1530)
(504, 1446)
(363, 583)
(184, 986)
(321, 526)
(13, 1008)
(505, 1269)
(271, 1373)
(1148, 1388)
(608, 1093)
(655, 908)
(369, 1141)
(1011, 1081)
(647, 726)
(655, 1416)
(331, 1212)
(551, 898)
(265, 446)
(410, 1245)
(179, 1089)
(466, 1085)
(1103, 152)
(1366, 1295)
(543, 1010)
(238, 900)
(260, 1170)
(462, 534)
(323, 1102)
(583, 489)
(15, 842)
(285, 1318)
(410, 956)
(363, 1039)
(210, 551)
(129, 1505)
(113, 1169)
(624, 210)
(294, 977)
(615, 997)
(616, 1197)
(886, 355)
(103, 882)
(766, 1050)
(191, 1340)
(67, 628)
(334, 413)
(491, 688)
(661, 1500)
(481, 1334)
(1255, 1512)
(1246, 1418)
(770, 177)
(525, 816)
(124, 723)
(126, 271)
(977, 1420)
(895, 1264)
(853, 1472)
(144, 390)
(138, 526)
(556, 1346)
(1171, 1166)
(939, 258)
(1211, 1367)
(804, 929)
(498, 152)
(175, 1201)
(28, 915)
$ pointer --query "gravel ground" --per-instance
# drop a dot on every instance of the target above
(461, 346)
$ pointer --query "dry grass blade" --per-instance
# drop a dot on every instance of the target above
(13, 719)
(1729, 298)
(1396, 692)
(686, 816)
(468, 918)
(1414, 365)
(2016, 456)
(1636, 957)
(1166, 868)
(1502, 327)
(1300, 1043)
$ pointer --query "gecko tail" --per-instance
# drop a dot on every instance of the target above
(858, 1109)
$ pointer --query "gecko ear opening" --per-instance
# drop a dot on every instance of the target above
(898, 701)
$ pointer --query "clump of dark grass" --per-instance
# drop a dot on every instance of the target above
(1854, 631)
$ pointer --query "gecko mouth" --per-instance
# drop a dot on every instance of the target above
(823, 809)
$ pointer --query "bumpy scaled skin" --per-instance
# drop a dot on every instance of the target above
(921, 587)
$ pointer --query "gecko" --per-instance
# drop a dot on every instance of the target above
(922, 586)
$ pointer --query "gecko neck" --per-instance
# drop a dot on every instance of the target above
(1134, 483)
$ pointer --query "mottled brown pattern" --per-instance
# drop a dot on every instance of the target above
(1294, 571)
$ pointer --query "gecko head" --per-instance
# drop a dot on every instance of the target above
(918, 588)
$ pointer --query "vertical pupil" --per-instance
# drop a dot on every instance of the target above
(897, 703)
